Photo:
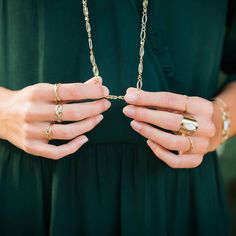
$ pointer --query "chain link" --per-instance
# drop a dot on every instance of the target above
(141, 50)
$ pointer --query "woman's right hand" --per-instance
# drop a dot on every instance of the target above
(26, 114)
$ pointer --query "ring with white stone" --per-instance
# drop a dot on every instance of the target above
(188, 126)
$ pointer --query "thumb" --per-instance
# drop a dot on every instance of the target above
(95, 80)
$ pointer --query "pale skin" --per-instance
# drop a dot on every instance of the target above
(208, 114)
(23, 125)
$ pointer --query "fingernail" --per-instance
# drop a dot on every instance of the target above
(83, 140)
(149, 142)
(130, 97)
(131, 89)
(98, 80)
(129, 111)
(100, 118)
(107, 104)
(106, 91)
(136, 125)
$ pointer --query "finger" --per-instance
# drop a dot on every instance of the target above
(56, 152)
(70, 112)
(97, 80)
(178, 102)
(171, 141)
(167, 120)
(68, 92)
(68, 131)
(175, 161)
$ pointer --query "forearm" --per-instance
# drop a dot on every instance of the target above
(228, 95)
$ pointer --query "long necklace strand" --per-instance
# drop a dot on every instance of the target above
(141, 50)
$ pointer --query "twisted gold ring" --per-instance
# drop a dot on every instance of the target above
(58, 113)
(48, 131)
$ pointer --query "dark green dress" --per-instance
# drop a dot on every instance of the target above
(114, 185)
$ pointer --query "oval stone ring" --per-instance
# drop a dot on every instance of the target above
(188, 126)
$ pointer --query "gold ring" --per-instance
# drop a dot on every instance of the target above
(48, 131)
(188, 126)
(58, 113)
(186, 104)
(191, 144)
(57, 98)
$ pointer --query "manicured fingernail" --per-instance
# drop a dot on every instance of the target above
(130, 97)
(131, 89)
(106, 91)
(149, 142)
(136, 125)
(129, 111)
(107, 104)
(98, 80)
(83, 140)
(100, 118)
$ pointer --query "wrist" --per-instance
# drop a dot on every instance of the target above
(218, 123)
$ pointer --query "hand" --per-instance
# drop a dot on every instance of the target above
(167, 113)
(27, 113)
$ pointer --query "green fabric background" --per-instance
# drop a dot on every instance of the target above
(114, 185)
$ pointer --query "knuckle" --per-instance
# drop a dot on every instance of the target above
(27, 111)
(32, 94)
(197, 162)
(66, 133)
(209, 108)
(211, 130)
(55, 155)
(175, 143)
(102, 105)
(175, 163)
(27, 147)
(206, 145)
(75, 91)
(76, 113)
(168, 99)
(27, 130)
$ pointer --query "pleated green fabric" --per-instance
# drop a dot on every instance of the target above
(113, 185)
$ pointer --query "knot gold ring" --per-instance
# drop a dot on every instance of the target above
(58, 113)
(48, 131)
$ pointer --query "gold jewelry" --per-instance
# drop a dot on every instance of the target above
(188, 125)
(226, 119)
(48, 131)
(58, 113)
(190, 142)
(186, 104)
(57, 98)
(141, 49)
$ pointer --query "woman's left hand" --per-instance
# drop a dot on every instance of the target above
(167, 112)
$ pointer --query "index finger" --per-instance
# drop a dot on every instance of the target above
(71, 91)
(167, 100)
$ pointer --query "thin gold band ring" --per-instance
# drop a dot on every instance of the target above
(57, 97)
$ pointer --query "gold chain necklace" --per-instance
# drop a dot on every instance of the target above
(141, 50)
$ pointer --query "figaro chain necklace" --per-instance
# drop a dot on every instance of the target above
(141, 50)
